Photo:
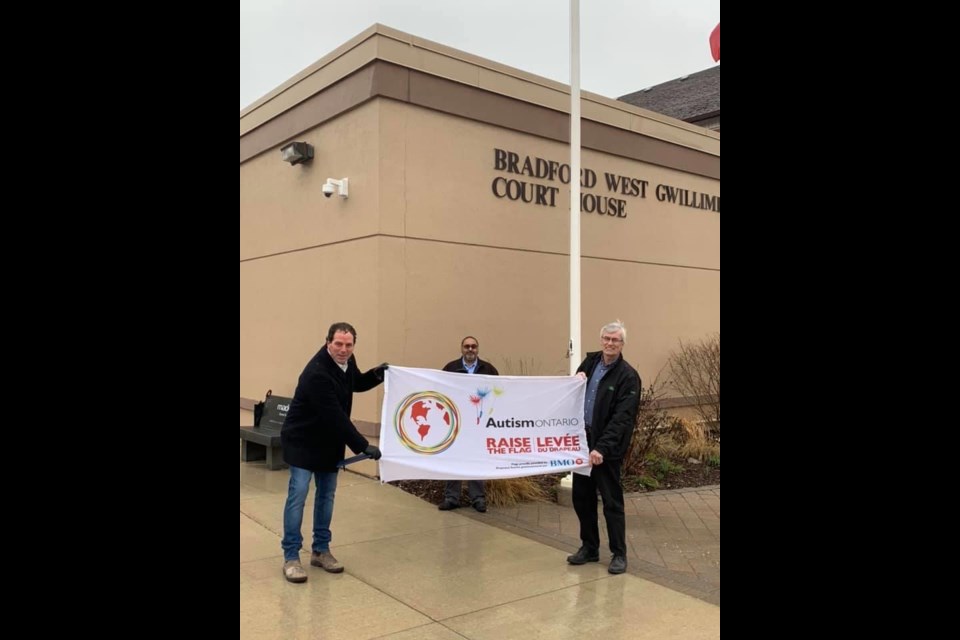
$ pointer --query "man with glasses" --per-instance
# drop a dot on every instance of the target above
(610, 414)
(469, 362)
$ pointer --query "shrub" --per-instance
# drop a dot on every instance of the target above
(508, 492)
(695, 374)
(662, 467)
(648, 482)
(651, 427)
(693, 440)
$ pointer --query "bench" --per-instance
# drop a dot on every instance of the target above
(262, 442)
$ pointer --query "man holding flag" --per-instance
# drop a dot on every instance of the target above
(610, 413)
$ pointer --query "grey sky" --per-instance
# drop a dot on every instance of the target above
(625, 45)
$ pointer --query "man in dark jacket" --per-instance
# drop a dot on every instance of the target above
(470, 362)
(313, 437)
(610, 413)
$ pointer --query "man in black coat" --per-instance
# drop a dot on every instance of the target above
(610, 413)
(469, 362)
(314, 434)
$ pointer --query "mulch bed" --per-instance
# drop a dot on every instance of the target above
(691, 476)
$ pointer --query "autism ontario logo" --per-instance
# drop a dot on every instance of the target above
(479, 398)
(427, 422)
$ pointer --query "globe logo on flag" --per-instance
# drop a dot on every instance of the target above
(427, 422)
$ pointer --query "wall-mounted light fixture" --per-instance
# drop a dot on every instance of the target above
(331, 186)
(297, 152)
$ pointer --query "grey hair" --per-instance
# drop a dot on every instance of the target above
(616, 325)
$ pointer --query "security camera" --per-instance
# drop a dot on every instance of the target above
(333, 186)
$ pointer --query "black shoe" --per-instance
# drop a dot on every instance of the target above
(446, 505)
(480, 505)
(618, 564)
(582, 556)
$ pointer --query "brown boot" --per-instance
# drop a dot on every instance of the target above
(326, 561)
(293, 571)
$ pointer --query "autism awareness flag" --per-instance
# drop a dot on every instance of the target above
(437, 425)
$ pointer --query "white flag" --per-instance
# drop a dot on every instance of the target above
(437, 425)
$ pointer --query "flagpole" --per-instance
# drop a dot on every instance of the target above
(574, 348)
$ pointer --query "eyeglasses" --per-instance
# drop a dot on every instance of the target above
(611, 340)
(470, 346)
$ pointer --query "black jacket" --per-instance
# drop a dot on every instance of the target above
(318, 424)
(615, 409)
(483, 367)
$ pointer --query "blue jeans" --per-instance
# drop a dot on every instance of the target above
(322, 511)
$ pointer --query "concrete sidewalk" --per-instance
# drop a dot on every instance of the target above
(673, 537)
(413, 572)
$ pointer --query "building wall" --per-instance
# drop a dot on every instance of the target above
(500, 268)
(307, 261)
(282, 207)
(422, 253)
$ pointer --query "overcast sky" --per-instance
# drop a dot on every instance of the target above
(625, 45)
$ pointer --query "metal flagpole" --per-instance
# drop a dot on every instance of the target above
(574, 348)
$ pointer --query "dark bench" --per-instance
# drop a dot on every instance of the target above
(262, 442)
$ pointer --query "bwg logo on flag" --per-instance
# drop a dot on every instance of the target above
(427, 422)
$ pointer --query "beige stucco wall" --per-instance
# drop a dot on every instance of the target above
(282, 207)
(307, 261)
(499, 269)
(422, 253)
(445, 179)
